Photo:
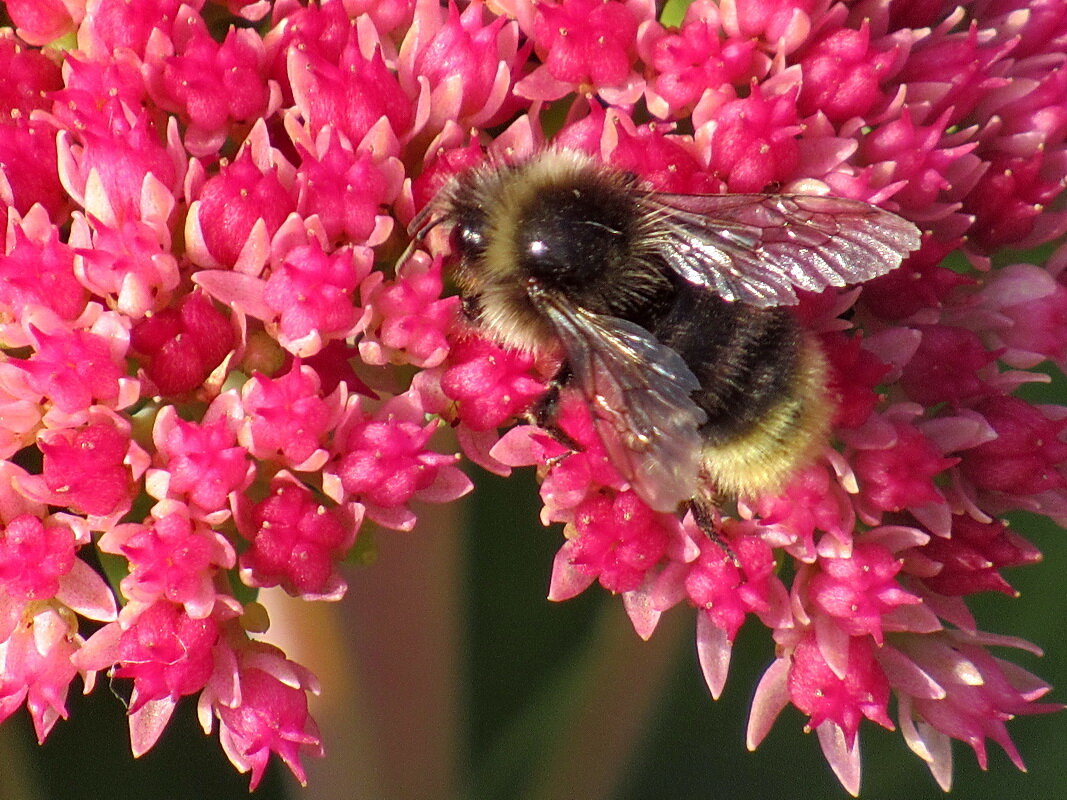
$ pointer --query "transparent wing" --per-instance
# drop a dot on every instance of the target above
(761, 248)
(638, 391)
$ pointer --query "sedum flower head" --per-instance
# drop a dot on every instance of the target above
(209, 370)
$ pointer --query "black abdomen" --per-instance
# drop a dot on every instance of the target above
(744, 357)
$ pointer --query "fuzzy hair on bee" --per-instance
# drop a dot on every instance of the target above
(670, 310)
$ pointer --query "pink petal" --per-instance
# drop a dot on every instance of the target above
(771, 696)
(713, 649)
(845, 762)
(642, 612)
(147, 723)
(567, 580)
(87, 593)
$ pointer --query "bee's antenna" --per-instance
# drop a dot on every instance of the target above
(417, 230)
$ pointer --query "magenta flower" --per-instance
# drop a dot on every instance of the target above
(211, 372)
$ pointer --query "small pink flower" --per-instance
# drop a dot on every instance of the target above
(844, 73)
(811, 502)
(409, 322)
(107, 165)
(96, 88)
(728, 585)
(858, 591)
(948, 366)
(922, 156)
(919, 283)
(1034, 304)
(618, 540)
(29, 173)
(232, 202)
(116, 24)
(384, 463)
(34, 557)
(469, 64)
(900, 475)
(41, 22)
(288, 419)
(166, 653)
(854, 376)
(347, 189)
(490, 385)
(1025, 457)
(201, 463)
(296, 543)
(977, 692)
(210, 85)
(586, 41)
(1010, 198)
(698, 58)
(779, 23)
(271, 716)
(312, 293)
(585, 45)
(130, 264)
(180, 346)
(954, 70)
(665, 162)
(87, 468)
(39, 271)
(31, 74)
(971, 559)
(825, 696)
(36, 668)
(172, 558)
(351, 94)
(574, 475)
(753, 141)
(75, 369)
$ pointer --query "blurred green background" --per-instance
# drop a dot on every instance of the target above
(549, 701)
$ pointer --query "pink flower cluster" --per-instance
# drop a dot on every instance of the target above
(207, 373)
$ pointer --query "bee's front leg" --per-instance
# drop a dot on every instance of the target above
(706, 515)
(545, 411)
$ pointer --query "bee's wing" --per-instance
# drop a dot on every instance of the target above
(760, 248)
(638, 391)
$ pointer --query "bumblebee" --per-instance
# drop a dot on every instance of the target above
(670, 310)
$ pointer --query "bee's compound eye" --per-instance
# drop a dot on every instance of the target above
(468, 239)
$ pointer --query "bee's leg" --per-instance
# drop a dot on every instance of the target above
(472, 307)
(705, 515)
(544, 412)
